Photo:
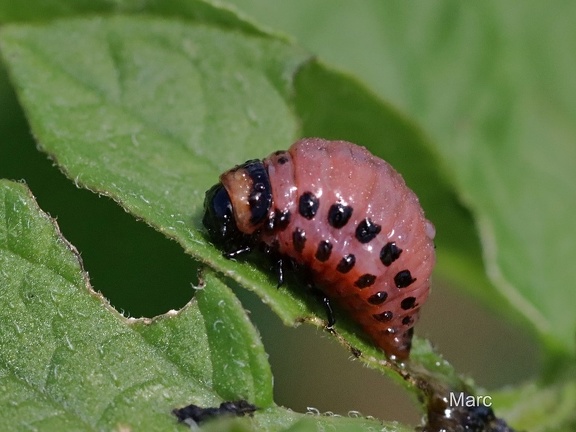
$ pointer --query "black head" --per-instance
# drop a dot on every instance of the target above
(219, 219)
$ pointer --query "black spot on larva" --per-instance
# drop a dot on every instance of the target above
(339, 214)
(281, 219)
(346, 264)
(384, 316)
(408, 303)
(367, 230)
(390, 253)
(299, 239)
(407, 320)
(378, 298)
(308, 205)
(324, 250)
(365, 281)
(282, 160)
(403, 279)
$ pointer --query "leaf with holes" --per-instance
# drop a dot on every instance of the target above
(70, 361)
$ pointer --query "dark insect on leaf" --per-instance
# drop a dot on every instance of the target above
(194, 415)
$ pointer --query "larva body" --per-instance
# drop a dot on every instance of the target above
(348, 217)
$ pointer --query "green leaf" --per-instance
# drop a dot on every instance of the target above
(242, 345)
(206, 11)
(277, 419)
(540, 407)
(492, 85)
(71, 361)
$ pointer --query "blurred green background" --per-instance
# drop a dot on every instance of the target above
(143, 274)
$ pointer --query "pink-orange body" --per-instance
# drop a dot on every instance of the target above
(350, 218)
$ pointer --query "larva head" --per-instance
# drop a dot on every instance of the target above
(218, 215)
(238, 206)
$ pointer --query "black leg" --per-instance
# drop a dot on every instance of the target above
(307, 277)
(280, 271)
(236, 253)
(319, 294)
(329, 311)
(278, 262)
